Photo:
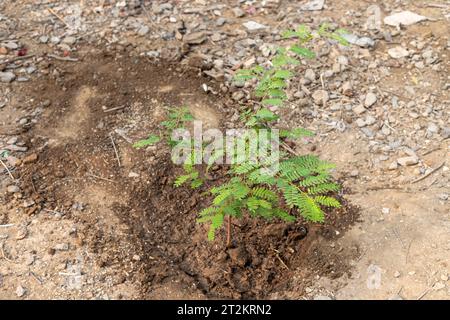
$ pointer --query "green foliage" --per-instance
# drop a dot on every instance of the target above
(302, 183)
(152, 139)
(177, 118)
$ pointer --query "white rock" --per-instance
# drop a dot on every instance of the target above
(310, 75)
(407, 161)
(359, 109)
(398, 52)
(20, 291)
(253, 25)
(143, 30)
(313, 5)
(7, 76)
(438, 286)
(370, 100)
(13, 189)
(405, 18)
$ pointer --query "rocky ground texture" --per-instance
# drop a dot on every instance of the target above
(380, 108)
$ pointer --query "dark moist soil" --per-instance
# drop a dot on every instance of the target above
(142, 226)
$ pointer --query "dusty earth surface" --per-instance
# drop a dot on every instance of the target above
(84, 215)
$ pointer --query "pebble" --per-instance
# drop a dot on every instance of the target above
(404, 18)
(133, 175)
(438, 286)
(28, 203)
(397, 274)
(143, 30)
(370, 99)
(7, 76)
(359, 109)
(43, 39)
(55, 40)
(347, 89)
(69, 40)
(195, 38)
(443, 196)
(407, 161)
(320, 97)
(254, 26)
(221, 21)
(398, 52)
(354, 173)
(13, 189)
(11, 45)
(62, 247)
(30, 158)
(310, 75)
(238, 12)
(20, 291)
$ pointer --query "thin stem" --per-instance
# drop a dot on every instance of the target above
(229, 232)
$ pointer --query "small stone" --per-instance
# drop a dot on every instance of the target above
(370, 99)
(370, 120)
(396, 297)
(385, 210)
(320, 97)
(11, 45)
(347, 89)
(360, 122)
(313, 5)
(12, 140)
(238, 95)
(253, 26)
(195, 38)
(359, 109)
(438, 286)
(30, 158)
(408, 161)
(62, 247)
(23, 121)
(365, 42)
(13, 189)
(43, 39)
(55, 40)
(444, 277)
(397, 274)
(7, 76)
(136, 257)
(28, 203)
(21, 291)
(354, 173)
(3, 51)
(133, 175)
(398, 52)
(238, 12)
(143, 30)
(69, 40)
(404, 18)
(433, 128)
(310, 75)
(443, 196)
(221, 21)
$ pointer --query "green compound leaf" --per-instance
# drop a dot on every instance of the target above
(152, 139)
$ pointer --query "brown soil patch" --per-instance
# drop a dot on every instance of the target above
(132, 216)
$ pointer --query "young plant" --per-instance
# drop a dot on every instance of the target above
(177, 119)
(302, 184)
